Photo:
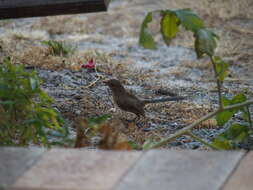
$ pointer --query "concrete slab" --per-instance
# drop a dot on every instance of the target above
(179, 170)
(77, 169)
(15, 161)
(242, 179)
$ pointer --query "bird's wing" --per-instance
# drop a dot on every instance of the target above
(132, 104)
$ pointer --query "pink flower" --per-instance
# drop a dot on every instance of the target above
(89, 65)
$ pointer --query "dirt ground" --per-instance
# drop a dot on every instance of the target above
(111, 38)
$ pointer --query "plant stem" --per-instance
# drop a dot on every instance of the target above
(250, 121)
(194, 124)
(219, 84)
(202, 141)
(246, 103)
(184, 130)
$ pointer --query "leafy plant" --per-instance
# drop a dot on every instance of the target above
(26, 115)
(205, 44)
(146, 40)
(59, 48)
(235, 135)
(205, 39)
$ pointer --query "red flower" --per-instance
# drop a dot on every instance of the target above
(89, 65)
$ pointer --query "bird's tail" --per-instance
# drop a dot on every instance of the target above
(176, 98)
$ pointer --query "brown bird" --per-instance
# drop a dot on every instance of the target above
(129, 102)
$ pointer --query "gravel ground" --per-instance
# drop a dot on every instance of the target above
(112, 40)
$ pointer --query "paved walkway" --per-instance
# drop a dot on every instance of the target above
(73, 169)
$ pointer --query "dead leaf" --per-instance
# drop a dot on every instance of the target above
(108, 138)
(122, 146)
(122, 142)
(113, 138)
(81, 139)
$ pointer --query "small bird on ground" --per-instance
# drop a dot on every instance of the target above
(129, 102)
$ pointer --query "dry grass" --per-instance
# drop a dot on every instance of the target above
(231, 19)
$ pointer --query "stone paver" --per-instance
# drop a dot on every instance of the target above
(15, 161)
(73, 169)
(180, 170)
(242, 179)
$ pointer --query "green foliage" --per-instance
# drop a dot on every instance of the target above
(169, 26)
(59, 48)
(26, 115)
(222, 68)
(232, 137)
(146, 39)
(134, 145)
(236, 133)
(225, 116)
(189, 20)
(205, 43)
(205, 40)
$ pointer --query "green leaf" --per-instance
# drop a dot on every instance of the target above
(7, 61)
(59, 48)
(237, 133)
(189, 19)
(239, 98)
(246, 115)
(28, 113)
(225, 101)
(169, 26)
(222, 144)
(7, 102)
(222, 68)
(134, 145)
(205, 42)
(146, 40)
(223, 117)
(27, 134)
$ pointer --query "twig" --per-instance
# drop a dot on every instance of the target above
(249, 118)
(194, 124)
(219, 84)
(246, 103)
(184, 130)
(94, 81)
(202, 141)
